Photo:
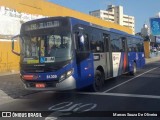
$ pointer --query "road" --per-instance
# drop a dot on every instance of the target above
(127, 93)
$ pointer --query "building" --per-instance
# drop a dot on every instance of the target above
(115, 14)
(11, 21)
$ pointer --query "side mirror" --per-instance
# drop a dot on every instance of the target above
(15, 38)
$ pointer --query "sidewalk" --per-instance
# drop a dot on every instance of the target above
(9, 73)
(151, 60)
(11, 88)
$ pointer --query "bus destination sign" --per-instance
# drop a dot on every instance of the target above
(42, 25)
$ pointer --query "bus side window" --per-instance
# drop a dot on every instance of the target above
(93, 46)
(123, 49)
(112, 46)
(97, 46)
(83, 43)
(130, 44)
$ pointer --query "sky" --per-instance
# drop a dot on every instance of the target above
(142, 10)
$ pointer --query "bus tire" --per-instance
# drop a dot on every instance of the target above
(98, 81)
(134, 69)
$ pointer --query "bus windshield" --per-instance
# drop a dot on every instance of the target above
(55, 47)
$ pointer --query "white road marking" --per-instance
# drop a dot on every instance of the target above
(129, 80)
(70, 106)
(123, 95)
(51, 118)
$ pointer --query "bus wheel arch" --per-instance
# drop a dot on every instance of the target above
(98, 81)
(100, 68)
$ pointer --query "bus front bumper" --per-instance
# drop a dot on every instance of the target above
(67, 84)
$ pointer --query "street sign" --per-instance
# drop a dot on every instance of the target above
(155, 26)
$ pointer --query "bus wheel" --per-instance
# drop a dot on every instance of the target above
(98, 81)
(134, 69)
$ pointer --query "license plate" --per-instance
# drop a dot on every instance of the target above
(40, 85)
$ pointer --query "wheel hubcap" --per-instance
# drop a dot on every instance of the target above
(134, 69)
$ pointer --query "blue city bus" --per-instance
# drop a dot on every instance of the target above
(65, 53)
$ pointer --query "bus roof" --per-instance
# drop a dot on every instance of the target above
(75, 20)
(105, 28)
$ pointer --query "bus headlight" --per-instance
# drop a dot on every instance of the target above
(69, 73)
(62, 77)
(66, 75)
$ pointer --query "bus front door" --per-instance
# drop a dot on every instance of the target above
(84, 60)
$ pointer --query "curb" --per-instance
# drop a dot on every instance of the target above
(9, 73)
